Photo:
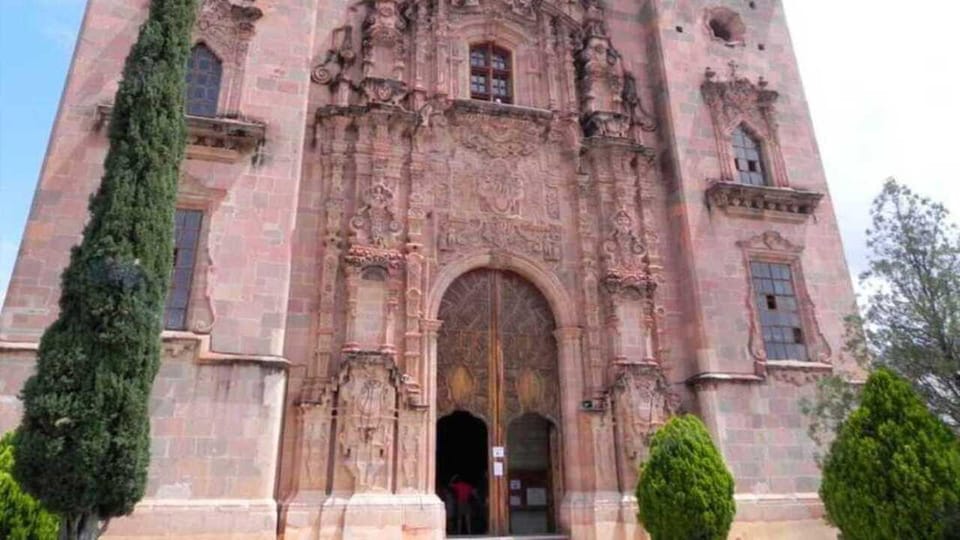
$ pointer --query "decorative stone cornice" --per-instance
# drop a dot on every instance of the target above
(797, 373)
(211, 139)
(500, 109)
(763, 202)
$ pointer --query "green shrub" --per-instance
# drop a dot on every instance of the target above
(894, 469)
(21, 516)
(685, 490)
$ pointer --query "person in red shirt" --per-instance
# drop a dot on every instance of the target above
(463, 492)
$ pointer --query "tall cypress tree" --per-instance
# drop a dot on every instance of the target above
(84, 441)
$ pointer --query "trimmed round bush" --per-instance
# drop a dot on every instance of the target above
(21, 516)
(894, 469)
(685, 491)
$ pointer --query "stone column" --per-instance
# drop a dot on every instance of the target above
(430, 329)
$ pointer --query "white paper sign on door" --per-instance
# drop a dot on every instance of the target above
(498, 468)
(498, 451)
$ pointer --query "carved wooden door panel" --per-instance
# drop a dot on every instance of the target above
(497, 359)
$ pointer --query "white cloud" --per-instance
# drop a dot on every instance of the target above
(882, 88)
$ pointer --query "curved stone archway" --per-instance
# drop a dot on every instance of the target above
(547, 282)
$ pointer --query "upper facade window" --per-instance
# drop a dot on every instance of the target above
(204, 71)
(779, 314)
(747, 158)
(490, 73)
(187, 237)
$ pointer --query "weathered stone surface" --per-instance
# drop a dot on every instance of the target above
(307, 377)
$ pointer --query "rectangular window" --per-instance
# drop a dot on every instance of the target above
(490, 73)
(186, 239)
(777, 308)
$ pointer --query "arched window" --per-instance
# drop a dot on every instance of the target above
(490, 78)
(204, 71)
(746, 151)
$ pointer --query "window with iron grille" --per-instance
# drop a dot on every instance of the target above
(204, 71)
(490, 73)
(187, 237)
(746, 151)
(777, 308)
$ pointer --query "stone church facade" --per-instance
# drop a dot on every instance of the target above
(502, 240)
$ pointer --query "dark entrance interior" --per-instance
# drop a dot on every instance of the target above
(462, 454)
(531, 491)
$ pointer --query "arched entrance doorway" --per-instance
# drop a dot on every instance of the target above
(462, 457)
(497, 361)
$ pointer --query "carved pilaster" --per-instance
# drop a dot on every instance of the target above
(366, 413)
(642, 402)
(332, 161)
(314, 410)
(412, 458)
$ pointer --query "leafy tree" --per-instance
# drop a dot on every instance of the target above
(911, 320)
(685, 490)
(894, 469)
(83, 445)
(912, 317)
(21, 516)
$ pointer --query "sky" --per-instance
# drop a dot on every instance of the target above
(880, 77)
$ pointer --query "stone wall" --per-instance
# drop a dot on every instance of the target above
(358, 181)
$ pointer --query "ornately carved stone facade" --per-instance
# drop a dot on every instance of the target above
(583, 248)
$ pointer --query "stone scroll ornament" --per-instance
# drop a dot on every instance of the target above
(367, 399)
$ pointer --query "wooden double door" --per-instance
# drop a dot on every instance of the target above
(498, 380)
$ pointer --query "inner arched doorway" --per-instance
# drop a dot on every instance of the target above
(497, 361)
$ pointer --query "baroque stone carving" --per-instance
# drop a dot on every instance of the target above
(383, 40)
(375, 222)
(228, 26)
(340, 57)
(642, 402)
(763, 202)
(541, 241)
(411, 437)
(223, 140)
(185, 349)
(500, 189)
(365, 257)
(624, 258)
(798, 375)
(738, 101)
(771, 245)
(366, 414)
(770, 241)
(498, 137)
(609, 101)
(314, 408)
(552, 200)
